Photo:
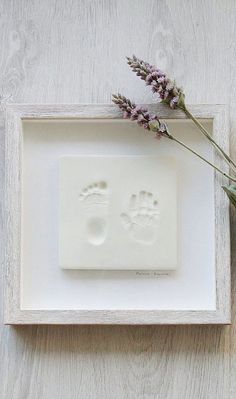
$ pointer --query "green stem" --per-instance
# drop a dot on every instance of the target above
(202, 158)
(228, 160)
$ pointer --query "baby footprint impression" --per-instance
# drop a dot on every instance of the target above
(141, 219)
(95, 202)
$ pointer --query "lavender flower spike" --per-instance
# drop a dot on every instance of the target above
(166, 89)
(141, 115)
(151, 122)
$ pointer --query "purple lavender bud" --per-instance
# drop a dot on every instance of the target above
(141, 115)
(160, 84)
(165, 95)
(152, 117)
(149, 79)
(161, 79)
(141, 118)
(134, 114)
(155, 75)
(174, 102)
(144, 111)
(162, 127)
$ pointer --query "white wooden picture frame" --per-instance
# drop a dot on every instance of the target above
(15, 314)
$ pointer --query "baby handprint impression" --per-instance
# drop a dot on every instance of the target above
(141, 219)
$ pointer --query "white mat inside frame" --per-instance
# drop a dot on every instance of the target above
(44, 285)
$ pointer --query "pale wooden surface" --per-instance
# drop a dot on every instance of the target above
(72, 51)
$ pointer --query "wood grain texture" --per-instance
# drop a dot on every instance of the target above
(67, 51)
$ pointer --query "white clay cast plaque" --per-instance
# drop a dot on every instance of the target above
(117, 212)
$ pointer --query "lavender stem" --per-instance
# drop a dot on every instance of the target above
(203, 159)
(228, 160)
(152, 122)
(172, 95)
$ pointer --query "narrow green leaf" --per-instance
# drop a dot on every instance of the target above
(231, 192)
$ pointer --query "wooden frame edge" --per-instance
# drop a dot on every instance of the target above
(14, 315)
